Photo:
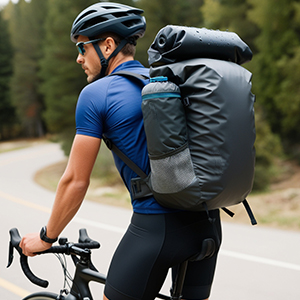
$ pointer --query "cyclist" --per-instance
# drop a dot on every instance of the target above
(158, 238)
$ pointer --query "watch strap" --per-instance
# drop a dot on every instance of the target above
(43, 236)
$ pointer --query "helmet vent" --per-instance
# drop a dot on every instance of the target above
(129, 23)
(110, 7)
(94, 21)
(120, 14)
(86, 14)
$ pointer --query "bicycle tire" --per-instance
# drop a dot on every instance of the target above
(41, 296)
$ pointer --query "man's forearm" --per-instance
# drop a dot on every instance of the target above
(69, 197)
(73, 184)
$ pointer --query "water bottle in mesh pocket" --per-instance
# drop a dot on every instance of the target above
(172, 172)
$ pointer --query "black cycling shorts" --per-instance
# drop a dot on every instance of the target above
(155, 243)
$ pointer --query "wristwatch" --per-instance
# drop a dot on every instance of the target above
(43, 236)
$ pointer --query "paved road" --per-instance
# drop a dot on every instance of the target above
(254, 263)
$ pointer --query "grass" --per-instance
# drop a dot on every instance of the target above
(105, 186)
(278, 207)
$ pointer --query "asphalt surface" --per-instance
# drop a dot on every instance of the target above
(254, 262)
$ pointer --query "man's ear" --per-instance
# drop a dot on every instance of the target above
(109, 46)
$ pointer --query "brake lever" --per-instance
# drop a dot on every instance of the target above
(14, 242)
(10, 255)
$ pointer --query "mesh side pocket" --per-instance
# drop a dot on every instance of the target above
(173, 173)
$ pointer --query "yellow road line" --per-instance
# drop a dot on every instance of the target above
(25, 203)
(13, 288)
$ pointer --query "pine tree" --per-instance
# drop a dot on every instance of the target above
(7, 112)
(277, 63)
(27, 36)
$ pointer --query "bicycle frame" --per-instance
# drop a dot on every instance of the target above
(84, 275)
(80, 286)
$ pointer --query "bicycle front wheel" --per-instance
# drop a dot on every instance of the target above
(41, 296)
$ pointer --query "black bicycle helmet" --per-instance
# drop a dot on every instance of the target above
(104, 17)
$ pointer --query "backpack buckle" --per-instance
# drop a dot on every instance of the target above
(139, 188)
(186, 102)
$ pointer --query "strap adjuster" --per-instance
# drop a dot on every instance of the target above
(107, 141)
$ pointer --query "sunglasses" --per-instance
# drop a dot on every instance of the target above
(80, 45)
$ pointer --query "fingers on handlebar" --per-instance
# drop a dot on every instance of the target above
(15, 240)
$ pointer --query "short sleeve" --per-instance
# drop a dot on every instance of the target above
(89, 113)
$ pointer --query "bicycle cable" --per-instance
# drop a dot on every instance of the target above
(67, 276)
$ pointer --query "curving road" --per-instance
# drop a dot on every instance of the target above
(254, 263)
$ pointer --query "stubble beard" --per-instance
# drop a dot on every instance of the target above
(95, 78)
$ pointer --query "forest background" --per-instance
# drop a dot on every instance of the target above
(40, 80)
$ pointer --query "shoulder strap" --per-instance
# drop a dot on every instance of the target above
(110, 145)
(130, 74)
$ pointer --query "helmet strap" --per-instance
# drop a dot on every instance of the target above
(103, 60)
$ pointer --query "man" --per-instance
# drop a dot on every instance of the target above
(158, 238)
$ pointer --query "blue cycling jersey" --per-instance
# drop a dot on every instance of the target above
(112, 106)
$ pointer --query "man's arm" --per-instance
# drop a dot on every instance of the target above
(70, 192)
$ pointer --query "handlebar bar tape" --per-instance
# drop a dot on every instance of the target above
(33, 278)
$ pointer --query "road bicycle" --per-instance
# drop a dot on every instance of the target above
(85, 271)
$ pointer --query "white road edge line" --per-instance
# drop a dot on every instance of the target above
(262, 260)
(99, 225)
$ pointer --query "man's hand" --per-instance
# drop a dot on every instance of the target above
(31, 244)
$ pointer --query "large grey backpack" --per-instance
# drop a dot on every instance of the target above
(199, 121)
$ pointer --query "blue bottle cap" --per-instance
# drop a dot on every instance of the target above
(159, 79)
